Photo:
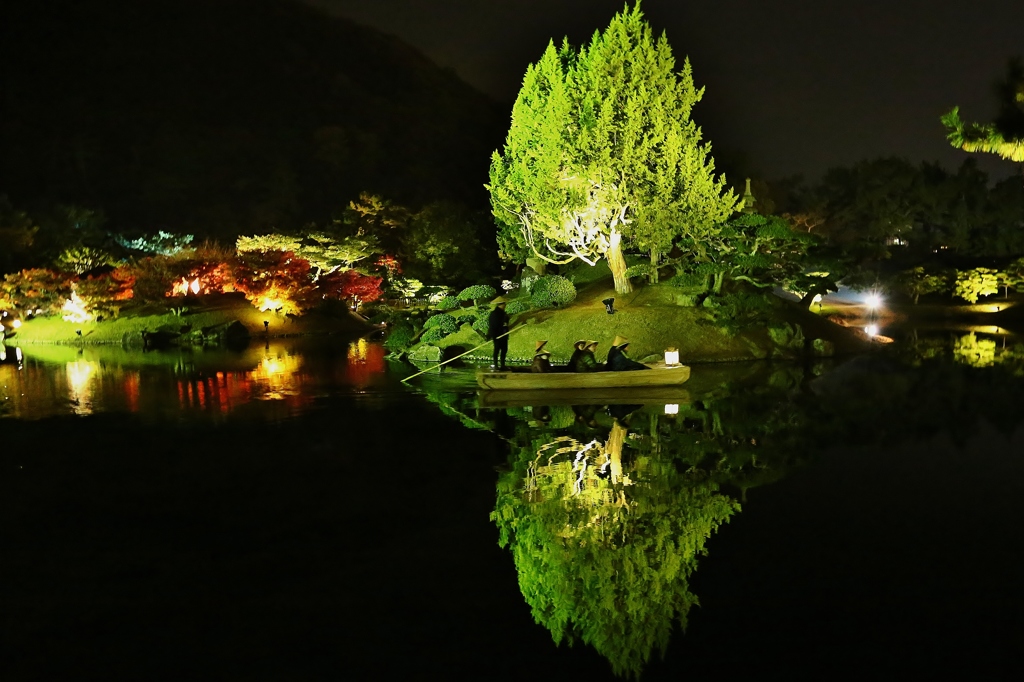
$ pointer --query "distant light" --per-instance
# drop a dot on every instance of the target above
(671, 356)
(873, 301)
(871, 330)
(16, 324)
(672, 409)
(194, 286)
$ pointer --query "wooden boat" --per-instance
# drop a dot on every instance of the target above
(658, 375)
(637, 395)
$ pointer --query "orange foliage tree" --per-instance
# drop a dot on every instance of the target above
(275, 280)
(36, 289)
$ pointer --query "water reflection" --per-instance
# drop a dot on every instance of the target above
(606, 509)
(276, 379)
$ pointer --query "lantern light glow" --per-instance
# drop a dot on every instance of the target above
(671, 356)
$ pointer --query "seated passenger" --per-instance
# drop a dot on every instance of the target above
(541, 358)
(583, 359)
(617, 360)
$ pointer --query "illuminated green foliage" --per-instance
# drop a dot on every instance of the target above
(82, 259)
(551, 291)
(1005, 135)
(601, 151)
(917, 282)
(478, 293)
(973, 284)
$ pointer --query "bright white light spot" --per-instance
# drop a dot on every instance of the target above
(873, 301)
(16, 324)
(672, 409)
(75, 310)
(871, 330)
(671, 357)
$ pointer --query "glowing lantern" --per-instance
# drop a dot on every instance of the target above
(672, 409)
(75, 311)
(671, 356)
(871, 330)
(16, 324)
(195, 286)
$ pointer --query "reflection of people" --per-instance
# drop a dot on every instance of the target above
(617, 360)
(583, 359)
(541, 358)
(497, 331)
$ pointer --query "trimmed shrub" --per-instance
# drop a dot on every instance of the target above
(639, 270)
(399, 337)
(478, 292)
(552, 290)
(480, 325)
(519, 305)
(443, 322)
(448, 303)
(432, 335)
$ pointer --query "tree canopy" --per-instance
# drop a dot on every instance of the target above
(1004, 136)
(602, 154)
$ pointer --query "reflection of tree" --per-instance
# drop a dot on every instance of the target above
(603, 546)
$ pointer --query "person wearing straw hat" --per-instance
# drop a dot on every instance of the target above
(497, 331)
(617, 360)
(583, 359)
(541, 358)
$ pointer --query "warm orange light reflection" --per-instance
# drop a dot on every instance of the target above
(365, 360)
(80, 385)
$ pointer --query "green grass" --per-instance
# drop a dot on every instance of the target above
(652, 320)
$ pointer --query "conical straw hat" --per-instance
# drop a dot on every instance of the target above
(581, 344)
(537, 346)
(619, 341)
(592, 344)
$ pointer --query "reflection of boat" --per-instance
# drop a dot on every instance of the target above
(521, 381)
(638, 395)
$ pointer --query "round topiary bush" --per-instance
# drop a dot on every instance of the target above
(552, 290)
(480, 325)
(519, 305)
(478, 292)
(443, 322)
(448, 303)
(432, 335)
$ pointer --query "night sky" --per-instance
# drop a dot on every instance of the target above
(795, 86)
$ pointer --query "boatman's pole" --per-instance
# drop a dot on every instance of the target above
(413, 376)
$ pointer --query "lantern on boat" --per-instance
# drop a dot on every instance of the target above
(672, 408)
(671, 356)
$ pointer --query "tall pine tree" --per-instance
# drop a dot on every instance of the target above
(602, 154)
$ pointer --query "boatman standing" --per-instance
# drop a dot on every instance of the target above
(497, 331)
(617, 360)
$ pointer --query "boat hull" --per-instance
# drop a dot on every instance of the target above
(521, 381)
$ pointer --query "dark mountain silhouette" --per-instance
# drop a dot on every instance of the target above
(220, 116)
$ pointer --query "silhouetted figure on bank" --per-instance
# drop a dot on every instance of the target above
(497, 331)
(583, 359)
(617, 360)
(541, 358)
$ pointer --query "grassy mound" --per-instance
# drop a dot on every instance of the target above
(656, 317)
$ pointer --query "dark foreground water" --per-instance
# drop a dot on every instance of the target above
(295, 513)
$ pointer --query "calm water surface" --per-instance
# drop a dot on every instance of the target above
(292, 511)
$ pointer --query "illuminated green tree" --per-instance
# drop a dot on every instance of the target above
(604, 554)
(917, 282)
(602, 154)
(973, 284)
(325, 253)
(1005, 135)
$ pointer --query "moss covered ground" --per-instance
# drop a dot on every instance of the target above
(204, 312)
(653, 318)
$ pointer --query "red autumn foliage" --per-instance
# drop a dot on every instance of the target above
(390, 264)
(351, 286)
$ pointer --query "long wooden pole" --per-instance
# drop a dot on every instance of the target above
(413, 376)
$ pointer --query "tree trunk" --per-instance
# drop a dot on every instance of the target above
(617, 264)
(614, 449)
(719, 281)
(655, 258)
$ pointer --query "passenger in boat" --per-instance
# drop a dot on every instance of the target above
(497, 331)
(541, 358)
(583, 359)
(617, 360)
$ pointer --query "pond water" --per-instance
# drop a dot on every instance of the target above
(293, 511)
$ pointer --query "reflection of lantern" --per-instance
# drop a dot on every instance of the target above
(672, 409)
(671, 357)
